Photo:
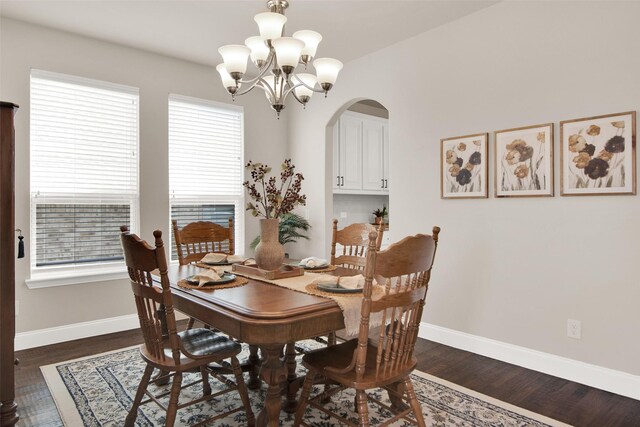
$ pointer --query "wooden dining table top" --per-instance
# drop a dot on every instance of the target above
(257, 312)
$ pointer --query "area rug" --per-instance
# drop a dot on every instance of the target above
(98, 391)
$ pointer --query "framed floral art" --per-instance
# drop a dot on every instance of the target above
(524, 161)
(598, 155)
(463, 167)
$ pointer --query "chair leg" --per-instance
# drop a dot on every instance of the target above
(413, 401)
(206, 387)
(363, 409)
(242, 389)
(304, 397)
(331, 338)
(144, 382)
(172, 407)
(191, 322)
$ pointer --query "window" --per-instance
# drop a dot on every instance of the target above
(206, 164)
(84, 172)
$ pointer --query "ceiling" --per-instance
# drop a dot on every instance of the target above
(193, 30)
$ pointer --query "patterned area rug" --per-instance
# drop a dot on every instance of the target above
(98, 391)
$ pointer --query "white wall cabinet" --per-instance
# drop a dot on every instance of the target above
(350, 153)
(360, 155)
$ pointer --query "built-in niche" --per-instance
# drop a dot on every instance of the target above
(361, 164)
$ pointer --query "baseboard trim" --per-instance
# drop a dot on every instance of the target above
(57, 334)
(607, 379)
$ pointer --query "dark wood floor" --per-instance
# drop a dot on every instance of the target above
(562, 400)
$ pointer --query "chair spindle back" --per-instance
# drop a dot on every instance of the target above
(197, 239)
(404, 270)
(354, 240)
(154, 304)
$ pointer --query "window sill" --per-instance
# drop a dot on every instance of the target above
(51, 279)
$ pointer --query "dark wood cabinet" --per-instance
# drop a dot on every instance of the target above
(8, 410)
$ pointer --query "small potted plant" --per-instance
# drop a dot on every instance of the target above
(380, 214)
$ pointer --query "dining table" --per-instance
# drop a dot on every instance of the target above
(264, 315)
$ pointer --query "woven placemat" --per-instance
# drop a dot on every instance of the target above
(321, 270)
(312, 288)
(238, 281)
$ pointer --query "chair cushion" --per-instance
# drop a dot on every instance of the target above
(200, 342)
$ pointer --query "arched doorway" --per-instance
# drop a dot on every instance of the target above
(358, 164)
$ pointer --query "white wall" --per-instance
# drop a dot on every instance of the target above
(24, 46)
(513, 270)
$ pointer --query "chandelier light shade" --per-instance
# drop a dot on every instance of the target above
(270, 25)
(259, 50)
(304, 91)
(327, 70)
(311, 41)
(228, 81)
(235, 59)
(288, 52)
(272, 52)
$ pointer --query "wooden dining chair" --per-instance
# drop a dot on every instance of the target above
(354, 240)
(167, 350)
(197, 239)
(403, 270)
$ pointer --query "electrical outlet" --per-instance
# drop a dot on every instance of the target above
(343, 214)
(574, 328)
(17, 308)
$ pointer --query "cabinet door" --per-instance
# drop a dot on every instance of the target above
(372, 155)
(385, 156)
(350, 153)
(335, 178)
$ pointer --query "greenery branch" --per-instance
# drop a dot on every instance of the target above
(268, 199)
(289, 229)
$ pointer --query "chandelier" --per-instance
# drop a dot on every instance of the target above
(272, 51)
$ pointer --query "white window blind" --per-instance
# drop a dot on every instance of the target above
(84, 169)
(206, 142)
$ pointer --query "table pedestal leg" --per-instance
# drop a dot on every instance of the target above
(291, 384)
(273, 373)
(254, 382)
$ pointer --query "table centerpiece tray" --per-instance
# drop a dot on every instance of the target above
(283, 272)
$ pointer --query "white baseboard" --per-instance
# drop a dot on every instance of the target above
(75, 331)
(607, 379)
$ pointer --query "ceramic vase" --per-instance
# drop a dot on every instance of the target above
(269, 252)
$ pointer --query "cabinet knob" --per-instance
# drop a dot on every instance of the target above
(338, 184)
(16, 362)
(342, 180)
(382, 183)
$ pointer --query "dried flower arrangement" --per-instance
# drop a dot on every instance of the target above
(269, 199)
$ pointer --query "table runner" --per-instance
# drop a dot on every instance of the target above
(350, 305)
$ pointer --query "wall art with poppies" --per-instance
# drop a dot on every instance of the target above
(463, 166)
(598, 155)
(524, 161)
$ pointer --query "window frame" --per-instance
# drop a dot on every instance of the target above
(239, 201)
(85, 272)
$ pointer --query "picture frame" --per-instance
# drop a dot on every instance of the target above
(524, 161)
(598, 155)
(464, 167)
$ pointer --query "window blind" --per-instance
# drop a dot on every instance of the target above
(84, 168)
(206, 163)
